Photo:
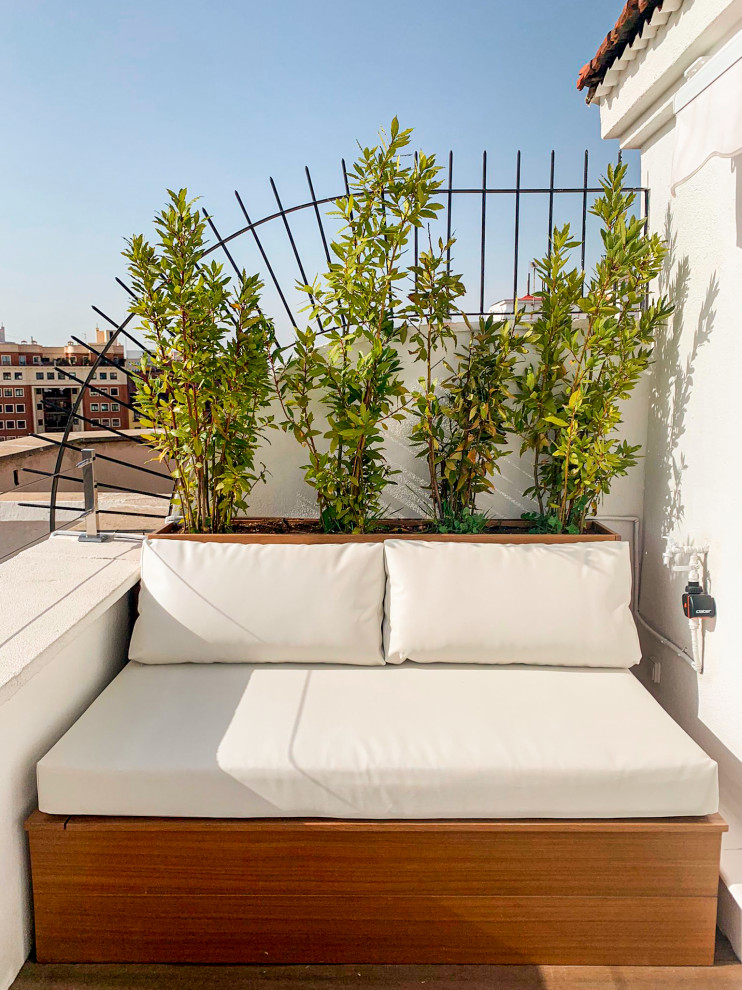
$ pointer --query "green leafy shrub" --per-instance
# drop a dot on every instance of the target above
(343, 385)
(204, 392)
(461, 428)
(591, 342)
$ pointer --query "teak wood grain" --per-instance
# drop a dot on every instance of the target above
(193, 890)
(596, 533)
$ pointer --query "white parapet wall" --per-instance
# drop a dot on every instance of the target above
(693, 471)
(64, 630)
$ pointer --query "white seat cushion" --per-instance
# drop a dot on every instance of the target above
(564, 604)
(277, 603)
(405, 741)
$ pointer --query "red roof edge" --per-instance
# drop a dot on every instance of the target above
(629, 25)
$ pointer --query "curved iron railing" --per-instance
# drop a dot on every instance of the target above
(483, 195)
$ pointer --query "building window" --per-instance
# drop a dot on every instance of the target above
(36, 359)
(18, 375)
(6, 376)
(6, 358)
(103, 375)
(8, 391)
(114, 391)
(104, 407)
(10, 424)
(94, 407)
(113, 375)
(39, 376)
(8, 409)
(115, 407)
(19, 391)
(20, 408)
(21, 359)
(21, 424)
(116, 422)
(50, 376)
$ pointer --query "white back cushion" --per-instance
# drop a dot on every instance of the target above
(558, 604)
(274, 603)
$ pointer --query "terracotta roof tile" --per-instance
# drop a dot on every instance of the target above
(633, 17)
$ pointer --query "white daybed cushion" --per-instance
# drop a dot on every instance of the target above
(376, 742)
(562, 604)
(276, 603)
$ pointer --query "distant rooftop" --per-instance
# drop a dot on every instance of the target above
(635, 14)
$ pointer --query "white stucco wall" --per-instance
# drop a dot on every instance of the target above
(286, 493)
(64, 631)
(693, 472)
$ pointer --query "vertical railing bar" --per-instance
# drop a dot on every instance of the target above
(386, 239)
(584, 216)
(416, 233)
(517, 231)
(646, 211)
(216, 234)
(317, 214)
(292, 242)
(320, 225)
(551, 202)
(345, 180)
(645, 199)
(221, 244)
(267, 263)
(448, 219)
(484, 231)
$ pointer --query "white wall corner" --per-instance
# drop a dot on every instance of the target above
(637, 88)
(730, 899)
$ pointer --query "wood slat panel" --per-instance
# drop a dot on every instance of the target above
(378, 861)
(182, 890)
(405, 929)
(608, 826)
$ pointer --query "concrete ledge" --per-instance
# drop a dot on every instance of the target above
(51, 592)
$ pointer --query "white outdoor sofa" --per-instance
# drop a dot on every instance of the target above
(406, 750)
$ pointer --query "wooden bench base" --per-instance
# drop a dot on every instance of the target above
(640, 891)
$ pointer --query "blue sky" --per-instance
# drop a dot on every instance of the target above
(106, 105)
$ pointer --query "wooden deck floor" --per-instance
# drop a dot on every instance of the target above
(726, 974)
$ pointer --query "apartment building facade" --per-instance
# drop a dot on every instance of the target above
(40, 384)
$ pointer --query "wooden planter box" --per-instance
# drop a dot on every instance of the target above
(274, 529)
